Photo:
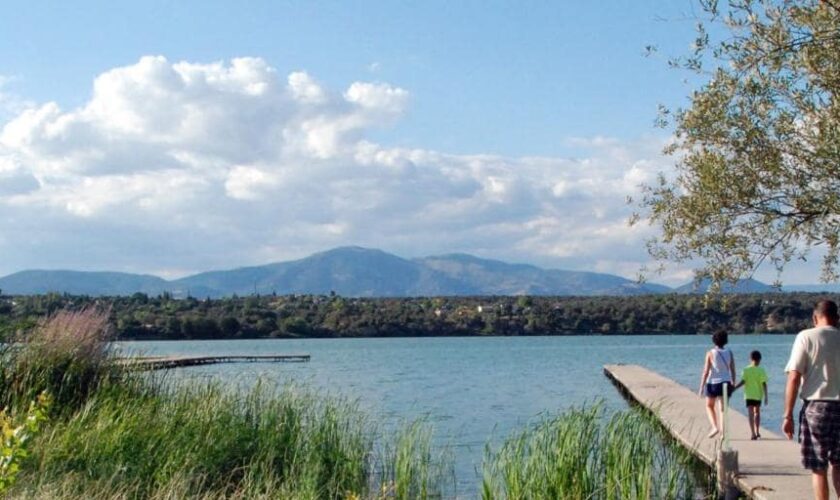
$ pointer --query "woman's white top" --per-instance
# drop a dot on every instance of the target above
(719, 371)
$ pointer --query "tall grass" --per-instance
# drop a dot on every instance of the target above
(65, 355)
(413, 468)
(204, 440)
(585, 454)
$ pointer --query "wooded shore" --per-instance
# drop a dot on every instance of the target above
(163, 317)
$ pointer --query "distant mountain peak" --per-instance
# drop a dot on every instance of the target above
(747, 285)
(348, 271)
(350, 249)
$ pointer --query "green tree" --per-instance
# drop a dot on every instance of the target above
(758, 148)
(230, 326)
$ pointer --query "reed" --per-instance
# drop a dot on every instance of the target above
(413, 468)
(584, 453)
(65, 355)
(204, 440)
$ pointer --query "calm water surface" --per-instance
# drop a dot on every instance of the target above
(474, 389)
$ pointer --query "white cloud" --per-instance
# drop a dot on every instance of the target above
(185, 166)
(304, 89)
(246, 183)
(379, 97)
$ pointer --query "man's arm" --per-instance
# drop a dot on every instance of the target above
(794, 378)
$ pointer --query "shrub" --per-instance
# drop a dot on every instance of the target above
(14, 438)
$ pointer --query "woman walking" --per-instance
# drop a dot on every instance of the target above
(718, 376)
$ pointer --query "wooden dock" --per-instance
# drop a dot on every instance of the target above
(769, 468)
(167, 362)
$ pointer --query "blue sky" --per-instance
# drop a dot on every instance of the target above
(171, 138)
(512, 78)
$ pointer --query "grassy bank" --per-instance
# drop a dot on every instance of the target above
(585, 453)
(116, 434)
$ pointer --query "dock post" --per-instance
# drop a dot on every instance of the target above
(727, 472)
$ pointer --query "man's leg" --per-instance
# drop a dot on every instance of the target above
(751, 418)
(757, 420)
(820, 483)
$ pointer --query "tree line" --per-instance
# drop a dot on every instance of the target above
(164, 317)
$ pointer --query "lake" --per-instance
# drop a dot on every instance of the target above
(472, 389)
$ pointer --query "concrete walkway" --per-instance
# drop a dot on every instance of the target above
(769, 468)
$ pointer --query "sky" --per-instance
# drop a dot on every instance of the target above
(176, 137)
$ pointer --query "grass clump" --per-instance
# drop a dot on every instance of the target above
(206, 441)
(65, 355)
(584, 453)
(412, 468)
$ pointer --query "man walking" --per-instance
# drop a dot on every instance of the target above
(814, 373)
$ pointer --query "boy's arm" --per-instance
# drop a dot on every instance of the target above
(765, 393)
(739, 384)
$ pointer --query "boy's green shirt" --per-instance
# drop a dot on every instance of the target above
(754, 378)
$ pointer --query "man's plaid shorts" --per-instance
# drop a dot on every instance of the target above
(819, 434)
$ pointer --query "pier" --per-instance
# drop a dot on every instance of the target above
(768, 468)
(167, 362)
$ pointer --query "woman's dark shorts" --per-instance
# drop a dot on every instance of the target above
(716, 390)
(819, 434)
(753, 402)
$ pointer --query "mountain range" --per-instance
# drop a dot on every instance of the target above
(356, 272)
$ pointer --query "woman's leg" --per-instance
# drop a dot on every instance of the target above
(712, 414)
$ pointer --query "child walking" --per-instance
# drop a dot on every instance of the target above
(754, 380)
(718, 376)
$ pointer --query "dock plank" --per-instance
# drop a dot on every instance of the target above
(167, 362)
(769, 468)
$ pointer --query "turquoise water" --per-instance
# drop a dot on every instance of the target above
(473, 389)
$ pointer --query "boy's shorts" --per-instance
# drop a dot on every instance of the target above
(819, 434)
(753, 402)
(716, 390)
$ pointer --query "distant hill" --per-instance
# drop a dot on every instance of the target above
(347, 271)
(81, 283)
(493, 277)
(744, 286)
(825, 287)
